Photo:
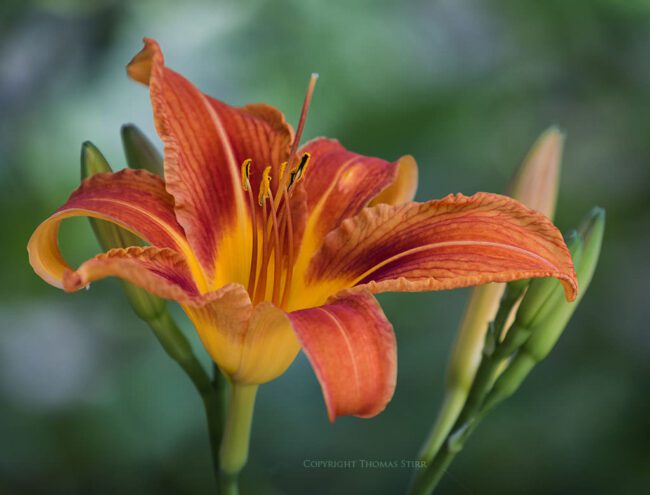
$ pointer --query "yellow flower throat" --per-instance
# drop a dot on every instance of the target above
(273, 233)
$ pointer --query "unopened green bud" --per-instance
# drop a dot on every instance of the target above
(110, 236)
(535, 184)
(550, 323)
(548, 329)
(92, 161)
(541, 295)
(139, 151)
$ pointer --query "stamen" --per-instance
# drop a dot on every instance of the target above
(254, 254)
(265, 186)
(246, 173)
(289, 224)
(246, 185)
(260, 289)
(257, 285)
(298, 173)
(278, 251)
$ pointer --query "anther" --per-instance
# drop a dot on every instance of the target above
(265, 186)
(246, 173)
(299, 172)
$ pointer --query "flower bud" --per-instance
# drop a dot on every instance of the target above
(92, 161)
(549, 325)
(110, 236)
(553, 314)
(542, 292)
(535, 184)
(139, 151)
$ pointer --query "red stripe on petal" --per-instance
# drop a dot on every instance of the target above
(259, 132)
(455, 242)
(352, 348)
(162, 272)
(206, 142)
(339, 183)
(133, 199)
(136, 199)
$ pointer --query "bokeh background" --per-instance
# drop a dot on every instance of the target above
(89, 403)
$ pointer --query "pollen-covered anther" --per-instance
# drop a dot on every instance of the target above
(246, 173)
(265, 186)
(298, 173)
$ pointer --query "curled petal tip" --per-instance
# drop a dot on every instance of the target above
(140, 66)
(72, 281)
(571, 287)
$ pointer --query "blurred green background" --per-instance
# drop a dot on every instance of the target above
(90, 404)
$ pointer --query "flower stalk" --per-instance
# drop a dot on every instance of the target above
(521, 349)
(535, 184)
(151, 309)
(236, 436)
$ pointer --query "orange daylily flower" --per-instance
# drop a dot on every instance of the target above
(270, 248)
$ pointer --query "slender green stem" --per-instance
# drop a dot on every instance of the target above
(214, 403)
(236, 438)
(426, 480)
(213, 392)
(178, 348)
(495, 352)
(449, 411)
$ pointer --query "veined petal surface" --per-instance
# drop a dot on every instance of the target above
(206, 142)
(162, 272)
(454, 242)
(133, 199)
(352, 348)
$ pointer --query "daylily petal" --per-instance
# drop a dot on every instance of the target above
(351, 346)
(162, 272)
(458, 241)
(403, 188)
(338, 184)
(221, 318)
(133, 199)
(269, 347)
(252, 345)
(260, 132)
(206, 142)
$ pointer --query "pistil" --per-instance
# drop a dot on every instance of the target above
(246, 185)
(282, 187)
(276, 223)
